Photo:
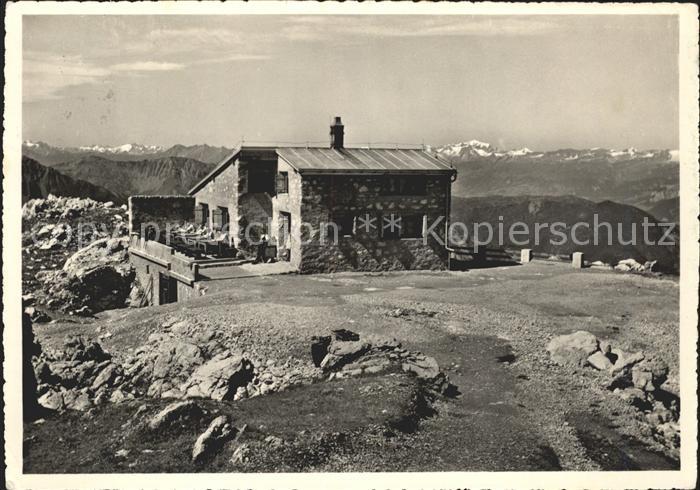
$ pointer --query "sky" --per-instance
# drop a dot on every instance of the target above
(542, 82)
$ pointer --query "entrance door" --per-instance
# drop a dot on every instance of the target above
(285, 235)
(224, 220)
(167, 289)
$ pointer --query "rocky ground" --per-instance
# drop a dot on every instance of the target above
(74, 257)
(364, 372)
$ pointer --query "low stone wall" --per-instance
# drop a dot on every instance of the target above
(160, 211)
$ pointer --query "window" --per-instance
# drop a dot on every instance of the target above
(390, 227)
(346, 224)
(201, 214)
(282, 183)
(406, 185)
(220, 219)
(396, 227)
(412, 226)
(342, 224)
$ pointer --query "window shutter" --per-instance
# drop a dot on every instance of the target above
(282, 183)
(198, 214)
(217, 218)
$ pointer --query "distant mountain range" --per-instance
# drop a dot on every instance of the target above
(51, 155)
(477, 150)
(569, 210)
(39, 181)
(646, 179)
(162, 175)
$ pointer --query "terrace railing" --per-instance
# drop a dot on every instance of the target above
(180, 266)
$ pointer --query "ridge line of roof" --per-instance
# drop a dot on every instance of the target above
(215, 171)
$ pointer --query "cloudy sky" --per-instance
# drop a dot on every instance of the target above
(544, 82)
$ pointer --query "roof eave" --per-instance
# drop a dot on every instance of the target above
(287, 161)
(315, 171)
(216, 171)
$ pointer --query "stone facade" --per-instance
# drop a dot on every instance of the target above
(222, 191)
(325, 198)
(289, 203)
(247, 207)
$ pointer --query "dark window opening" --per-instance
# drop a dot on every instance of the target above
(412, 226)
(282, 183)
(261, 180)
(395, 227)
(220, 219)
(345, 224)
(391, 227)
(201, 214)
(407, 185)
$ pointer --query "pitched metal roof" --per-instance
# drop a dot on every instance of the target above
(351, 160)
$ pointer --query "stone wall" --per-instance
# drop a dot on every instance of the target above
(150, 259)
(149, 271)
(222, 191)
(288, 203)
(327, 196)
(161, 211)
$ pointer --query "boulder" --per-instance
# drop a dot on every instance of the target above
(36, 315)
(45, 231)
(672, 386)
(649, 374)
(50, 244)
(599, 361)
(651, 266)
(343, 352)
(422, 366)
(274, 441)
(670, 431)
(629, 265)
(105, 377)
(219, 378)
(624, 359)
(76, 348)
(52, 400)
(573, 349)
(635, 397)
(218, 432)
(240, 454)
(319, 348)
(187, 410)
(77, 401)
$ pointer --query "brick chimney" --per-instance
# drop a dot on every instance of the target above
(337, 134)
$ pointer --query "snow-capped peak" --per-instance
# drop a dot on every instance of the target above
(476, 144)
(131, 148)
(520, 152)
